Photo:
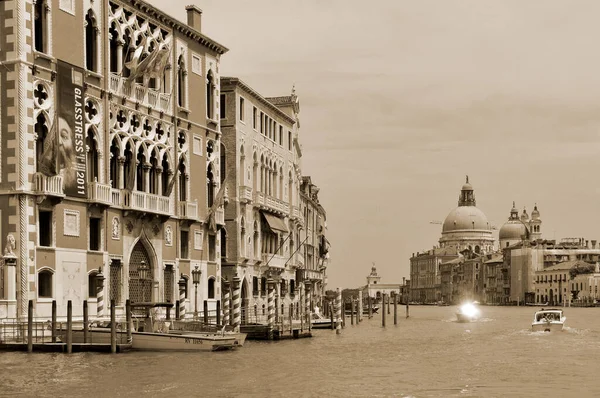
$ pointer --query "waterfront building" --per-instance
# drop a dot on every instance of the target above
(525, 259)
(574, 281)
(314, 252)
(275, 227)
(494, 281)
(425, 275)
(111, 156)
(375, 289)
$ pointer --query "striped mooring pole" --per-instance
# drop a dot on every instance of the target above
(226, 304)
(100, 300)
(271, 306)
(182, 286)
(237, 314)
(307, 305)
(338, 311)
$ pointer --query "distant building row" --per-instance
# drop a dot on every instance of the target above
(524, 268)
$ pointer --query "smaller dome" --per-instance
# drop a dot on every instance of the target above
(512, 229)
(535, 214)
(467, 187)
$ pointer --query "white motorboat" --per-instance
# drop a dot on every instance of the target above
(319, 321)
(197, 327)
(550, 320)
(150, 341)
(468, 312)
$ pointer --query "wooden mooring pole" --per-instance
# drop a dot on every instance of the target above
(205, 312)
(332, 316)
(177, 311)
(407, 309)
(85, 322)
(128, 320)
(370, 307)
(218, 312)
(395, 309)
(113, 328)
(352, 311)
(69, 327)
(383, 310)
(30, 326)
(53, 324)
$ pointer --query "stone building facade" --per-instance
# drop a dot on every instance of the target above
(274, 222)
(111, 148)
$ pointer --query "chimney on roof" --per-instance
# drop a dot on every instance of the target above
(404, 280)
(194, 17)
(593, 243)
(587, 244)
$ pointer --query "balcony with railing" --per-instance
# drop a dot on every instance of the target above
(188, 210)
(259, 199)
(274, 260)
(138, 93)
(99, 193)
(142, 201)
(245, 194)
(48, 186)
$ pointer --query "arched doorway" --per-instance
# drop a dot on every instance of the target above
(140, 290)
(244, 302)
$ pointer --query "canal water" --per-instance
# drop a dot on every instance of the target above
(426, 355)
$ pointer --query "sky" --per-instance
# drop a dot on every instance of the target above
(399, 100)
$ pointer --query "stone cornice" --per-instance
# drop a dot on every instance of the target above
(176, 25)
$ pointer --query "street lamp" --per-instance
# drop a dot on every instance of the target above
(143, 271)
(196, 279)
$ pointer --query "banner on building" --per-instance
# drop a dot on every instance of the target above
(70, 127)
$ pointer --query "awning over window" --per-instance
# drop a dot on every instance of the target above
(275, 223)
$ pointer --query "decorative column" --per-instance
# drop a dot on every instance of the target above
(307, 303)
(146, 167)
(226, 304)
(182, 288)
(236, 303)
(159, 171)
(120, 45)
(271, 306)
(121, 171)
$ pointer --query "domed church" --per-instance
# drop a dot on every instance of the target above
(517, 229)
(467, 227)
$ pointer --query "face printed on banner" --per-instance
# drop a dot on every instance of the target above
(66, 153)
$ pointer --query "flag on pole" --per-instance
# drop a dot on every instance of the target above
(130, 182)
(217, 202)
(171, 183)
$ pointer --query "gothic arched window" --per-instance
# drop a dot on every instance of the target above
(91, 42)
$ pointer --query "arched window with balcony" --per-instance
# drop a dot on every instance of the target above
(114, 48)
(255, 173)
(165, 175)
(154, 172)
(127, 52)
(141, 163)
(114, 164)
(129, 166)
(91, 42)
(210, 186)
(210, 93)
(181, 83)
(182, 182)
(92, 156)
(41, 132)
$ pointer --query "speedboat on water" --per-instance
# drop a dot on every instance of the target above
(468, 312)
(550, 320)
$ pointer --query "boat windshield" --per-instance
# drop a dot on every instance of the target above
(548, 316)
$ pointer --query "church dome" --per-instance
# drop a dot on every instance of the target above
(514, 228)
(465, 217)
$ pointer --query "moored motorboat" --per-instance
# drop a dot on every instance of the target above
(150, 341)
(549, 320)
(468, 312)
(319, 321)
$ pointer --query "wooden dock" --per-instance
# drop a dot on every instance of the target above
(62, 347)
(280, 331)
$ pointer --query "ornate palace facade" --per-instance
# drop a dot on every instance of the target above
(109, 112)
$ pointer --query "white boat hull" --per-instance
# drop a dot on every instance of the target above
(547, 326)
(161, 341)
